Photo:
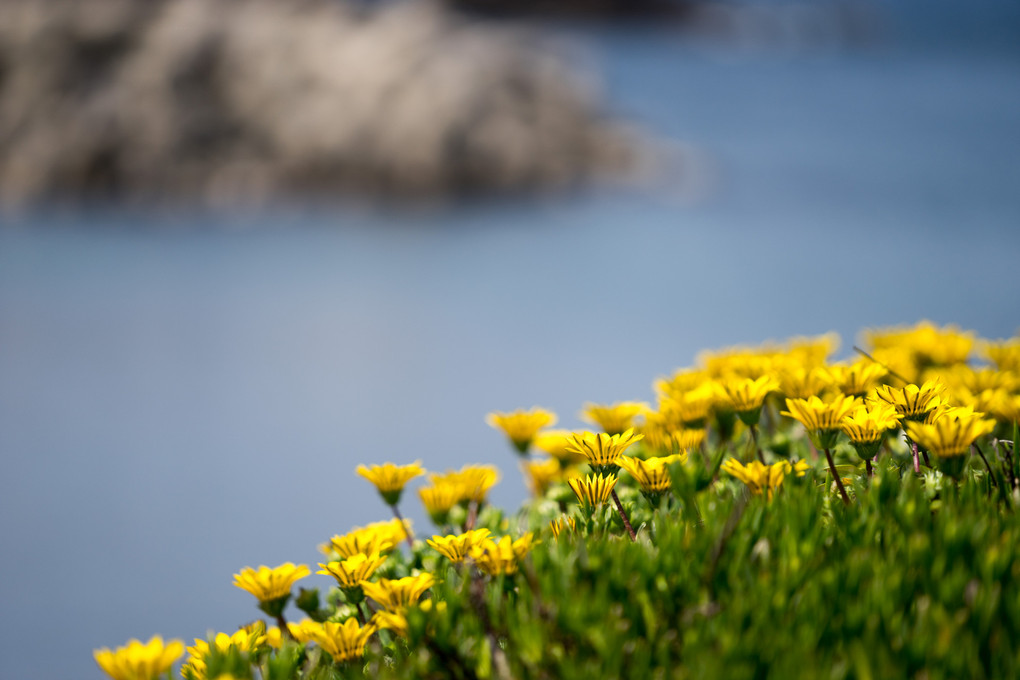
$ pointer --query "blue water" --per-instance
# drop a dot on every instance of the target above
(182, 396)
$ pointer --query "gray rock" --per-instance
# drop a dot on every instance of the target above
(237, 101)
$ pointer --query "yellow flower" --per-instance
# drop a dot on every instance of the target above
(661, 438)
(821, 419)
(350, 572)
(390, 479)
(857, 379)
(521, 426)
(797, 381)
(541, 474)
(247, 639)
(593, 490)
(927, 344)
(378, 537)
(471, 481)
(503, 557)
(561, 523)
(271, 586)
(456, 548)
(952, 433)
(439, 499)
(691, 409)
(614, 418)
(866, 424)
(343, 641)
(745, 396)
(138, 661)
(394, 621)
(303, 629)
(913, 402)
(600, 449)
(1005, 354)
(652, 475)
(396, 594)
(759, 478)
(556, 443)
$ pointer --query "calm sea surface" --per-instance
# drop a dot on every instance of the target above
(181, 397)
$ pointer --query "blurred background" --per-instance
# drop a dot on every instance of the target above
(247, 245)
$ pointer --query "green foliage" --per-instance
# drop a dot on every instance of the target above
(900, 584)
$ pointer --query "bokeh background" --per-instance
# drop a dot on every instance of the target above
(196, 353)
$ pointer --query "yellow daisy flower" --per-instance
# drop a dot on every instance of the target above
(521, 426)
(759, 478)
(558, 525)
(541, 474)
(390, 479)
(913, 402)
(439, 499)
(247, 639)
(349, 573)
(857, 379)
(592, 490)
(866, 425)
(556, 443)
(746, 396)
(821, 419)
(600, 449)
(614, 418)
(379, 537)
(952, 433)
(343, 641)
(502, 557)
(396, 594)
(139, 661)
(271, 586)
(456, 548)
(652, 475)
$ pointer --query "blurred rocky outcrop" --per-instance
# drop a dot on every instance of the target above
(238, 100)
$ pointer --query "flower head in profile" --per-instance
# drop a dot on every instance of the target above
(349, 573)
(503, 556)
(343, 641)
(913, 402)
(390, 479)
(439, 499)
(614, 418)
(601, 450)
(821, 419)
(138, 660)
(592, 490)
(521, 426)
(456, 548)
(561, 524)
(866, 425)
(271, 585)
(247, 639)
(396, 594)
(759, 478)
(540, 474)
(951, 433)
(652, 475)
(557, 444)
(690, 407)
(471, 481)
(797, 381)
(857, 379)
(746, 396)
(378, 537)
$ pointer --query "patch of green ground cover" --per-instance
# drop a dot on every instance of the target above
(898, 585)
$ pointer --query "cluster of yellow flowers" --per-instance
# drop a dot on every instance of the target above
(919, 381)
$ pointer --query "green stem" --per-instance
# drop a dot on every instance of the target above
(408, 534)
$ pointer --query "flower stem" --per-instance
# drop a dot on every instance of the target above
(754, 440)
(835, 474)
(917, 459)
(623, 516)
(407, 529)
(282, 624)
